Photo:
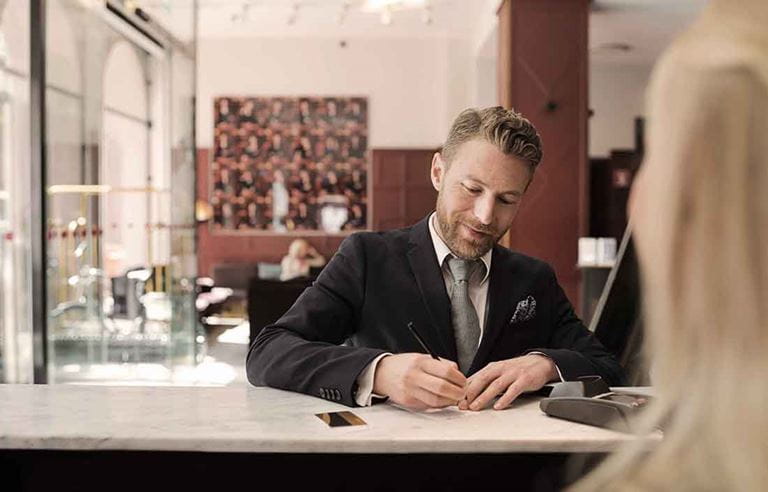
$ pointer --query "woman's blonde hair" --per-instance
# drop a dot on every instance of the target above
(296, 247)
(700, 220)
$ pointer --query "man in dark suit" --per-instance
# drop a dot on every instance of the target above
(501, 316)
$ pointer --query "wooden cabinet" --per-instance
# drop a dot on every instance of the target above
(402, 192)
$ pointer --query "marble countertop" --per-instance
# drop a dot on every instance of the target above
(78, 417)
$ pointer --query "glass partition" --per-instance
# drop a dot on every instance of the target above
(120, 166)
(16, 365)
(182, 236)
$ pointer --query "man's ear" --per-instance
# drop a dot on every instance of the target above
(437, 173)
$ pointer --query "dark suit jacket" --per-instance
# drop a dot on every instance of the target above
(376, 283)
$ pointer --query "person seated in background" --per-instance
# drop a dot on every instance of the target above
(699, 212)
(300, 258)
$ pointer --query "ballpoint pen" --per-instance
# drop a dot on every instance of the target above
(412, 329)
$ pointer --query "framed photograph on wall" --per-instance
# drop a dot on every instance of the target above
(290, 164)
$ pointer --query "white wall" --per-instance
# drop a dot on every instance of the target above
(617, 97)
(485, 45)
(124, 159)
(486, 82)
(415, 87)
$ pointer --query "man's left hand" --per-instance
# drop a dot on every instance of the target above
(510, 377)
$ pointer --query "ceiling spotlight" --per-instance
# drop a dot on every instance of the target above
(294, 14)
(426, 15)
(342, 15)
(378, 5)
(386, 16)
(243, 15)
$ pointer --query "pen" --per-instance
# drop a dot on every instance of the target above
(412, 329)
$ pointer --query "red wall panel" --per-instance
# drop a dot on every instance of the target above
(543, 74)
(402, 192)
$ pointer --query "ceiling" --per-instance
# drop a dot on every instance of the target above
(645, 26)
(628, 32)
(331, 18)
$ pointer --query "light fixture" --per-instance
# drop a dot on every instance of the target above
(386, 16)
(386, 8)
(342, 15)
(244, 14)
(426, 15)
(380, 5)
(294, 14)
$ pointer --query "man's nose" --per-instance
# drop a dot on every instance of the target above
(484, 209)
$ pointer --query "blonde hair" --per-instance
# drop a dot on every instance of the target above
(296, 246)
(701, 227)
(509, 131)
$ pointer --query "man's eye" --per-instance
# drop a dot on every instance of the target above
(472, 189)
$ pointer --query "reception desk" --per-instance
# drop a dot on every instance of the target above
(111, 438)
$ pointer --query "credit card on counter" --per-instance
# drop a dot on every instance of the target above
(340, 419)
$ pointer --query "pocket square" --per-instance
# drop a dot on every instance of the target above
(525, 310)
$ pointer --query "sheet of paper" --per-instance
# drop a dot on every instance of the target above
(447, 413)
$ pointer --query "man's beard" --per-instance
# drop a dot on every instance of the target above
(467, 249)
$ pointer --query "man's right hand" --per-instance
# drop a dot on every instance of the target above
(418, 381)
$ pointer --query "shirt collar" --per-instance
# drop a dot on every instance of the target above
(442, 250)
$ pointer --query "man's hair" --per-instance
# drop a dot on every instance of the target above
(508, 130)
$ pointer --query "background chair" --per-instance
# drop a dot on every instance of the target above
(269, 299)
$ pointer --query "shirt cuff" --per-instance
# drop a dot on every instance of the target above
(365, 393)
(559, 374)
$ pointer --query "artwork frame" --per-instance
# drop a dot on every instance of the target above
(290, 165)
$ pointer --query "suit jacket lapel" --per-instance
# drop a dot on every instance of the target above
(501, 293)
(429, 277)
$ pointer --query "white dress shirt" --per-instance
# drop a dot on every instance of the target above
(478, 294)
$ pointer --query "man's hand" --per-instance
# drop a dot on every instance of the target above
(418, 381)
(510, 377)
